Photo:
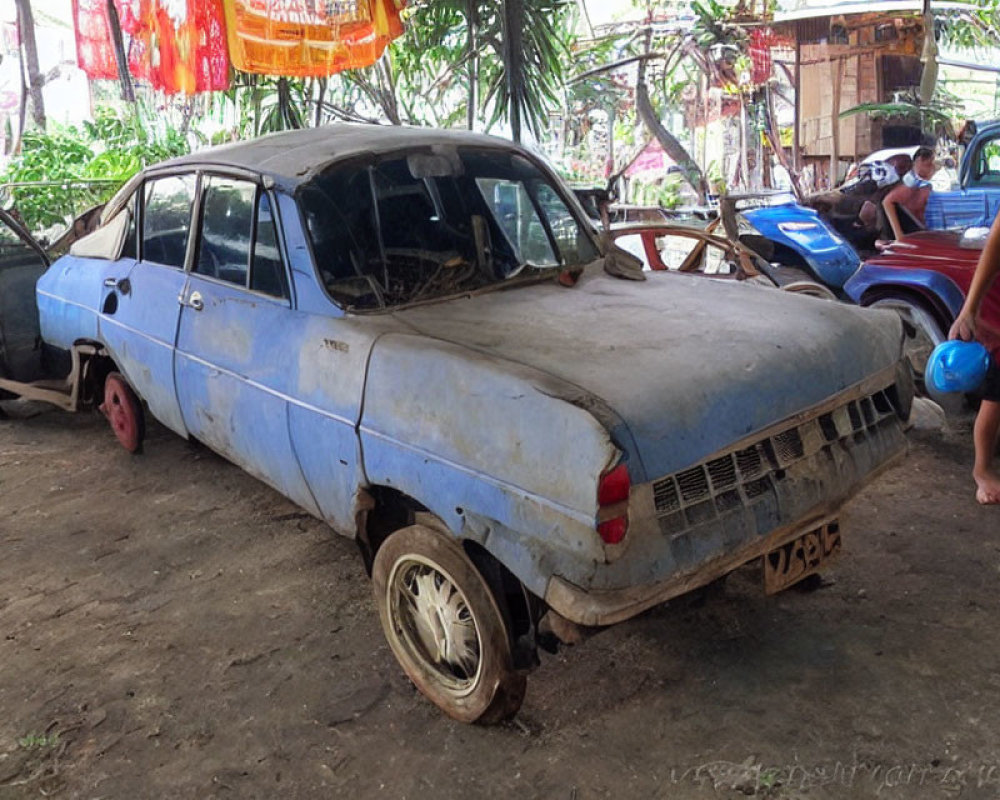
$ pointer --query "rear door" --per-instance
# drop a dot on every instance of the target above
(140, 309)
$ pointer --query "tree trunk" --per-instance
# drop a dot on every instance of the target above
(121, 59)
(513, 50)
(472, 19)
(928, 78)
(673, 148)
(29, 56)
(835, 125)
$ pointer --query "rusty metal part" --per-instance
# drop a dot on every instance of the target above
(563, 629)
(66, 393)
(801, 557)
(124, 411)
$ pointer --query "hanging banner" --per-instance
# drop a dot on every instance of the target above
(178, 46)
(95, 54)
(309, 38)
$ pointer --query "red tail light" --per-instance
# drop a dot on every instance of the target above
(612, 502)
(614, 486)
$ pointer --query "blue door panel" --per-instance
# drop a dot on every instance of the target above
(233, 372)
(69, 299)
(138, 324)
(330, 455)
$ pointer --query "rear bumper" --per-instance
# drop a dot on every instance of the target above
(690, 528)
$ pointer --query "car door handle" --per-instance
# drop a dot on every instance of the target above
(123, 285)
(194, 301)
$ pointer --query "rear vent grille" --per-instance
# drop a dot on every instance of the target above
(736, 479)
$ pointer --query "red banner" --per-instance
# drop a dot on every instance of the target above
(175, 46)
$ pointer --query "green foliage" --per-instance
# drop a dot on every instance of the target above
(71, 169)
(935, 118)
(38, 741)
(439, 41)
(968, 25)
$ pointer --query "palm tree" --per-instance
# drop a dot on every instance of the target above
(513, 54)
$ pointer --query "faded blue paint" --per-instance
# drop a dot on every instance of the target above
(830, 257)
(681, 395)
(497, 411)
(69, 296)
(232, 382)
(139, 329)
(925, 282)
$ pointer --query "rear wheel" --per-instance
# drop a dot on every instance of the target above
(444, 626)
(929, 332)
(123, 410)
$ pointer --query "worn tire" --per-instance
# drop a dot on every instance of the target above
(123, 410)
(444, 626)
(930, 331)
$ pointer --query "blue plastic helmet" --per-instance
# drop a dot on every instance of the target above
(957, 366)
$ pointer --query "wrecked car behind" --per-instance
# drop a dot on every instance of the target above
(413, 335)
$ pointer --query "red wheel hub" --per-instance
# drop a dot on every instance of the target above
(123, 411)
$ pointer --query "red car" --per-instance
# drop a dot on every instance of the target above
(925, 276)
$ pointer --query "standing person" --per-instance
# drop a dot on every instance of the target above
(988, 420)
(911, 193)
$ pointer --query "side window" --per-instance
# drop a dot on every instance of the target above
(129, 246)
(567, 232)
(510, 203)
(166, 220)
(226, 229)
(266, 273)
(988, 164)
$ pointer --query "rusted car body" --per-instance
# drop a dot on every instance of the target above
(22, 262)
(415, 336)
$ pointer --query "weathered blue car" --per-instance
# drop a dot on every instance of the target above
(415, 336)
(974, 202)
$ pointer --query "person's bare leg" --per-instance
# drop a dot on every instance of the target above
(984, 436)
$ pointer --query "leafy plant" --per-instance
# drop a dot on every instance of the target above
(61, 172)
(38, 741)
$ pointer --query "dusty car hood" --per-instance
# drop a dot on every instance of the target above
(689, 364)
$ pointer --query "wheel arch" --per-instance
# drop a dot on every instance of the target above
(929, 300)
(386, 510)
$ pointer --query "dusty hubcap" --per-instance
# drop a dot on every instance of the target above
(434, 622)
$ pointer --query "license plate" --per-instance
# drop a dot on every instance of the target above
(800, 557)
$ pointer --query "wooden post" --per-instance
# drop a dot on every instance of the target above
(796, 142)
(835, 120)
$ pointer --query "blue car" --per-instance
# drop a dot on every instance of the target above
(416, 336)
(976, 199)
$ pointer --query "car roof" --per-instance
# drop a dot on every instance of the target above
(291, 158)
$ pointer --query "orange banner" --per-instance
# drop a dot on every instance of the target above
(309, 38)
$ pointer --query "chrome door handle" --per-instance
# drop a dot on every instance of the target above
(111, 283)
(194, 301)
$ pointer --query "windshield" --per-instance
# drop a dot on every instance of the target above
(427, 225)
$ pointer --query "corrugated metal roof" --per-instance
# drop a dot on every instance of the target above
(788, 10)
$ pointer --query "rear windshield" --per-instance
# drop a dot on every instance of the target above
(426, 225)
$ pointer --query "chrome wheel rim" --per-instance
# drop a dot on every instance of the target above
(434, 624)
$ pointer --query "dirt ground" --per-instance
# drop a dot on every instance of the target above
(173, 628)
